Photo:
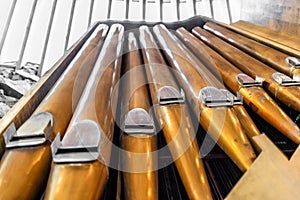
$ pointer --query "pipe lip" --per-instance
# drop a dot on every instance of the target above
(247, 81)
(35, 131)
(293, 62)
(138, 121)
(213, 97)
(285, 80)
(170, 95)
(80, 144)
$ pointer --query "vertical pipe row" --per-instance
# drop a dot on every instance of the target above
(70, 25)
(161, 9)
(144, 10)
(19, 63)
(229, 11)
(109, 9)
(211, 9)
(194, 7)
(127, 9)
(178, 9)
(47, 37)
(11, 12)
(91, 13)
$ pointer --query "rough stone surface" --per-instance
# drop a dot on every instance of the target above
(15, 83)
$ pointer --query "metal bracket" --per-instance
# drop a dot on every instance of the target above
(80, 144)
(138, 121)
(293, 62)
(237, 100)
(35, 131)
(247, 81)
(285, 80)
(213, 97)
(170, 95)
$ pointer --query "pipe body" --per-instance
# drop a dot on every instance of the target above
(174, 119)
(254, 96)
(220, 122)
(93, 117)
(289, 95)
(139, 160)
(34, 167)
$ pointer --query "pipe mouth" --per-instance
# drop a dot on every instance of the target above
(35, 131)
(293, 62)
(138, 121)
(247, 81)
(214, 97)
(80, 144)
(170, 95)
(285, 80)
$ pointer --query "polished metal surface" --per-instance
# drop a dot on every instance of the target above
(255, 97)
(156, 114)
(105, 75)
(220, 122)
(175, 121)
(276, 59)
(252, 67)
(22, 159)
(138, 139)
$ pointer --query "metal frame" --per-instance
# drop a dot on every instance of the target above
(28, 28)
(47, 37)
(10, 15)
(70, 22)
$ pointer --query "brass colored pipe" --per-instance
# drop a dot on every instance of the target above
(139, 141)
(274, 58)
(27, 168)
(92, 124)
(254, 96)
(247, 123)
(140, 185)
(289, 95)
(220, 121)
(173, 117)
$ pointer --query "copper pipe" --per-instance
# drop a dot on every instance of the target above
(174, 119)
(288, 95)
(138, 139)
(274, 58)
(34, 167)
(220, 121)
(254, 96)
(92, 123)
